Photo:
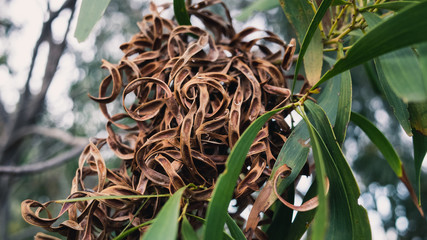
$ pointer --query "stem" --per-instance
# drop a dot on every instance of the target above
(334, 25)
(335, 49)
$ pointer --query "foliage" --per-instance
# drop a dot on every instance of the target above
(193, 102)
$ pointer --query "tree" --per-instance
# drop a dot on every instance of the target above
(38, 154)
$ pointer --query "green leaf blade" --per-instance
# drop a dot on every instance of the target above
(321, 222)
(90, 13)
(378, 138)
(348, 220)
(235, 230)
(400, 109)
(393, 6)
(344, 107)
(180, 11)
(187, 230)
(295, 150)
(165, 226)
(403, 75)
(302, 220)
(301, 15)
(420, 150)
(222, 194)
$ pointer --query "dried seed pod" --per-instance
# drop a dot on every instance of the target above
(193, 94)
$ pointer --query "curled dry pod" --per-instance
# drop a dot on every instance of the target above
(187, 95)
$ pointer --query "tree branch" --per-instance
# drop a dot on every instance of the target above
(55, 133)
(27, 114)
(41, 166)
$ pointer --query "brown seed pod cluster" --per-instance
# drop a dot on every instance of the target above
(188, 93)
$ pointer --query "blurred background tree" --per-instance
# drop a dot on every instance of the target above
(46, 116)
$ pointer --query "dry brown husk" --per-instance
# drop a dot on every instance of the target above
(187, 93)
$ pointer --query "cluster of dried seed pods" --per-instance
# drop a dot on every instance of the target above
(188, 93)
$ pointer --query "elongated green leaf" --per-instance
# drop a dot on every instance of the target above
(165, 224)
(281, 223)
(187, 230)
(420, 150)
(403, 74)
(348, 220)
(422, 54)
(235, 230)
(400, 30)
(226, 182)
(301, 15)
(133, 229)
(378, 138)
(321, 222)
(418, 116)
(303, 219)
(394, 6)
(344, 107)
(295, 150)
(388, 152)
(180, 12)
(400, 109)
(126, 231)
(90, 13)
(258, 5)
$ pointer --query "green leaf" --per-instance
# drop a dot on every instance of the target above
(393, 6)
(378, 138)
(388, 152)
(321, 222)
(400, 30)
(418, 116)
(281, 222)
(295, 150)
(420, 150)
(125, 232)
(187, 230)
(235, 230)
(222, 194)
(344, 108)
(258, 5)
(301, 15)
(348, 220)
(303, 219)
(90, 13)
(133, 229)
(422, 52)
(180, 12)
(400, 109)
(402, 72)
(165, 224)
